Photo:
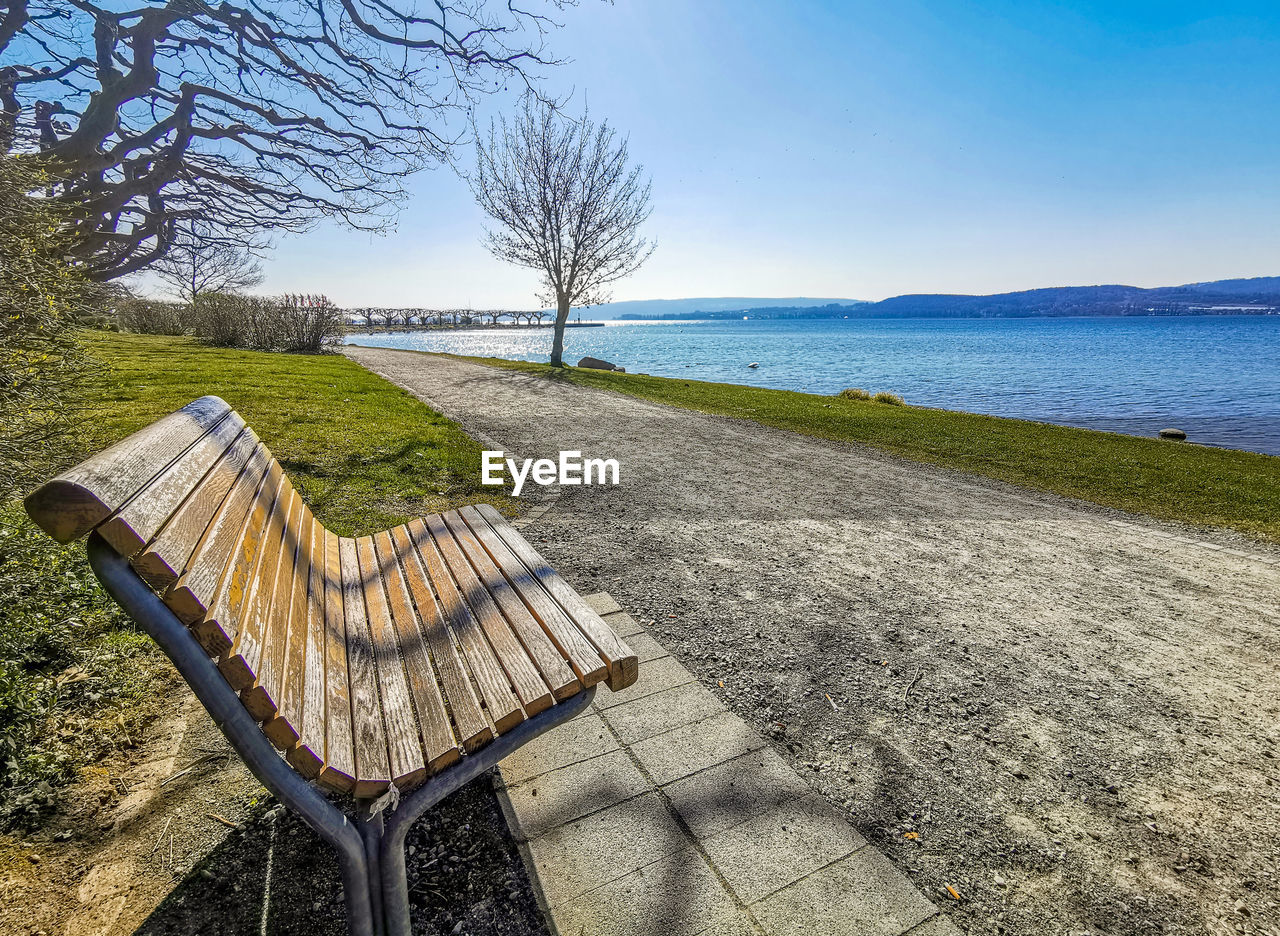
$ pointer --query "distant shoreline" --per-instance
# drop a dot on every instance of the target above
(454, 326)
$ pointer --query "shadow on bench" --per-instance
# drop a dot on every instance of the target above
(412, 660)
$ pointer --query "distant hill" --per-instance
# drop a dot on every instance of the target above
(1234, 296)
(1260, 295)
(657, 308)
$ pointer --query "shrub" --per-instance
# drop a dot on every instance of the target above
(308, 323)
(853, 393)
(302, 324)
(152, 316)
(41, 297)
(891, 398)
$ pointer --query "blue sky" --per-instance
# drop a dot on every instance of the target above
(867, 149)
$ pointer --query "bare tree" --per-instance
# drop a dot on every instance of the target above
(254, 115)
(565, 203)
(199, 261)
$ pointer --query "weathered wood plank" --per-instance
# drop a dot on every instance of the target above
(494, 689)
(77, 500)
(339, 770)
(559, 627)
(549, 661)
(307, 757)
(239, 665)
(140, 518)
(408, 766)
(373, 770)
(218, 628)
(471, 726)
(286, 649)
(195, 589)
(166, 556)
(439, 746)
(522, 674)
(622, 662)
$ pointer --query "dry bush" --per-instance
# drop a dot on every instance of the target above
(854, 393)
(152, 316)
(300, 324)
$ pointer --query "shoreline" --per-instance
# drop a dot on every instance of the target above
(1195, 484)
(939, 409)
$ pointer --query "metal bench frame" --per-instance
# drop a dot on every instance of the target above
(370, 846)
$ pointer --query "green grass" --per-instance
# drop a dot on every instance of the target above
(363, 453)
(1170, 480)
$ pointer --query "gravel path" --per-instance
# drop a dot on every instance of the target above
(1073, 723)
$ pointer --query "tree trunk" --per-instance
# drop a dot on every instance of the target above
(557, 343)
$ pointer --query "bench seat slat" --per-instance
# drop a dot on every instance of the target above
(140, 518)
(523, 676)
(192, 593)
(373, 769)
(404, 751)
(167, 555)
(568, 639)
(240, 664)
(440, 748)
(339, 770)
(622, 662)
(500, 703)
(76, 501)
(307, 756)
(541, 650)
(471, 727)
(216, 629)
(286, 649)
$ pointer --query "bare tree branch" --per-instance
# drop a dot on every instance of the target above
(246, 115)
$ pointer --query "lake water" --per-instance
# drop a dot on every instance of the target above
(1215, 377)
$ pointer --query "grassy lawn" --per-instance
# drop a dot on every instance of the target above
(77, 679)
(364, 454)
(1170, 480)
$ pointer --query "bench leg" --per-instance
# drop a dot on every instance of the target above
(395, 884)
(240, 728)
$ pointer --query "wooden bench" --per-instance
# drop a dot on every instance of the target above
(415, 658)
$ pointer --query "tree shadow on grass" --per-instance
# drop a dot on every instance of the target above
(274, 875)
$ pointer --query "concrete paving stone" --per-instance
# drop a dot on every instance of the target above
(779, 847)
(588, 853)
(861, 895)
(571, 792)
(694, 747)
(580, 738)
(937, 925)
(675, 896)
(646, 647)
(623, 624)
(654, 677)
(602, 603)
(723, 796)
(662, 711)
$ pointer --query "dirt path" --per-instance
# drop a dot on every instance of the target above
(1079, 720)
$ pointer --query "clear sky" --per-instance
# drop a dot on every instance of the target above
(866, 149)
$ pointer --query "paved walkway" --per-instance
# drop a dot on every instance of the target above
(659, 812)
